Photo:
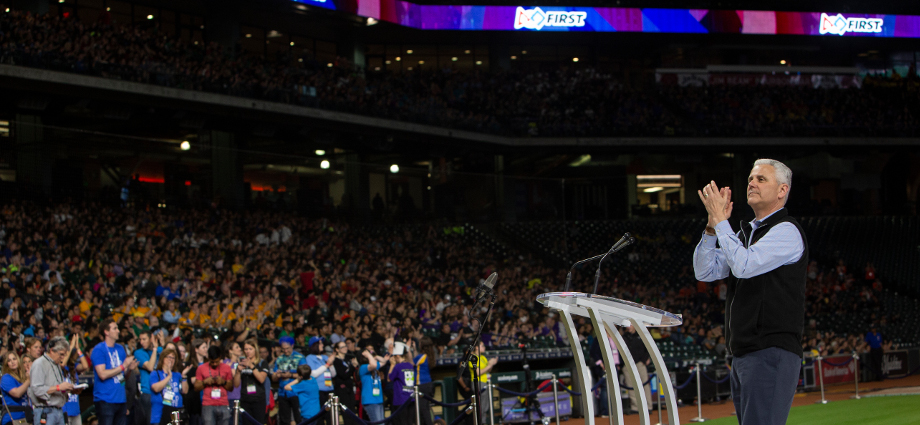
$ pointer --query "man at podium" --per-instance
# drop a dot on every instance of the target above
(764, 264)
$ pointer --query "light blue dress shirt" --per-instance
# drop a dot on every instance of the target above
(782, 245)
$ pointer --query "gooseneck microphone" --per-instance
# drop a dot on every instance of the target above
(486, 286)
(625, 241)
(568, 277)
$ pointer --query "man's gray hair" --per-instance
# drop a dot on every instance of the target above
(58, 343)
(783, 173)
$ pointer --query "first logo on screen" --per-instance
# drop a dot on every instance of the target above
(536, 19)
(839, 25)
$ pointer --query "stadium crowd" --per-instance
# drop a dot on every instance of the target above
(510, 102)
(232, 297)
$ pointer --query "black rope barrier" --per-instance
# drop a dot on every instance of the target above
(517, 394)
(643, 384)
(250, 418)
(313, 419)
(721, 381)
(439, 403)
(461, 417)
(385, 420)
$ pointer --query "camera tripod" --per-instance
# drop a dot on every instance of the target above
(529, 403)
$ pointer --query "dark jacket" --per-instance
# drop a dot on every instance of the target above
(767, 310)
(636, 347)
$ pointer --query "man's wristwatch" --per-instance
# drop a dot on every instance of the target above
(710, 231)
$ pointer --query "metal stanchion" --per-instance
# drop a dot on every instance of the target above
(856, 359)
(821, 380)
(418, 410)
(658, 396)
(555, 399)
(175, 417)
(491, 402)
(699, 397)
(236, 412)
(335, 410)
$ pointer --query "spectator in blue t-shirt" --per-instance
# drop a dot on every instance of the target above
(322, 370)
(307, 392)
(402, 374)
(15, 385)
(111, 365)
(876, 352)
(371, 387)
(72, 365)
(427, 355)
(167, 387)
(146, 357)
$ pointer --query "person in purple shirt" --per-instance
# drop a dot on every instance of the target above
(402, 375)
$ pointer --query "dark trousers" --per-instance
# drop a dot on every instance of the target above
(875, 360)
(289, 410)
(763, 384)
(142, 409)
(423, 403)
(111, 413)
(166, 415)
(256, 410)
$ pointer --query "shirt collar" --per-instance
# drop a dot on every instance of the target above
(755, 223)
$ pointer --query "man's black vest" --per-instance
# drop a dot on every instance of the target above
(767, 310)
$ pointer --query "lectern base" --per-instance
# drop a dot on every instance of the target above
(699, 419)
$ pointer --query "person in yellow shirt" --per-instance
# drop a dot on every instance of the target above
(483, 367)
(125, 310)
(86, 305)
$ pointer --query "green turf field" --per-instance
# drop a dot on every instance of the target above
(900, 410)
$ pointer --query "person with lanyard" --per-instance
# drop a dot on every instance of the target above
(371, 387)
(428, 355)
(233, 351)
(146, 357)
(73, 365)
(321, 368)
(253, 373)
(167, 387)
(216, 380)
(48, 390)
(110, 364)
(15, 385)
(344, 382)
(284, 372)
(192, 400)
(402, 374)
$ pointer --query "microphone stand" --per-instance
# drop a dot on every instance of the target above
(568, 277)
(468, 355)
(597, 275)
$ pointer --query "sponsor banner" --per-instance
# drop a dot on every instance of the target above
(692, 79)
(514, 411)
(838, 374)
(894, 363)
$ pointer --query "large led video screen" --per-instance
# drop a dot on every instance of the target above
(614, 19)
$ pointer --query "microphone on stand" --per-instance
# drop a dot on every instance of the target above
(625, 241)
(486, 286)
(568, 277)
